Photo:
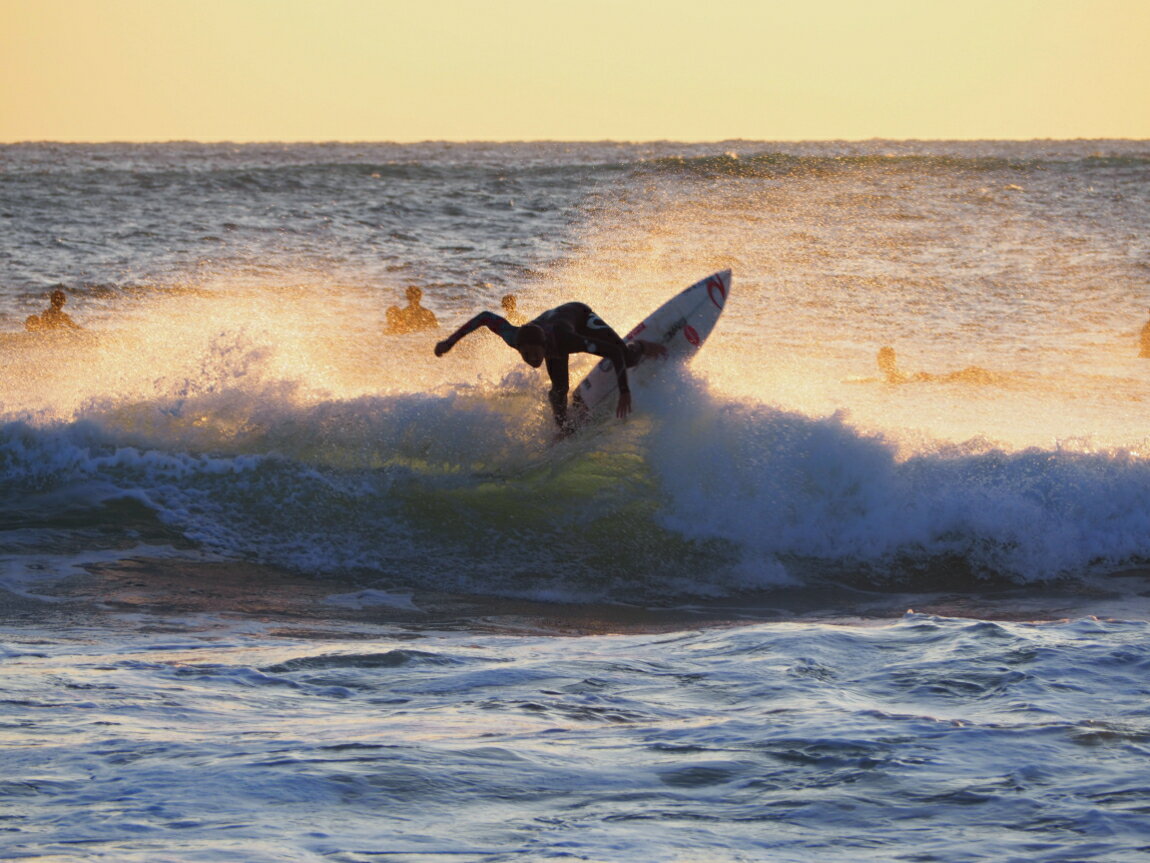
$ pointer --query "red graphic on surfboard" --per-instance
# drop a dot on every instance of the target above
(716, 285)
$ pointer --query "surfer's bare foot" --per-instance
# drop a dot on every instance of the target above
(623, 407)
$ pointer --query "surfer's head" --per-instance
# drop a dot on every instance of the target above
(530, 343)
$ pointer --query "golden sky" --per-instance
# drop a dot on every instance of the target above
(629, 70)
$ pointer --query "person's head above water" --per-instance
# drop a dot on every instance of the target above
(414, 294)
(58, 298)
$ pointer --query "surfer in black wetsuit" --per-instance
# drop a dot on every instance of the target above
(552, 337)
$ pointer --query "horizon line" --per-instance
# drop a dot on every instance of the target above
(416, 141)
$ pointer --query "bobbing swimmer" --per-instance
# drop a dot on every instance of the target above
(52, 318)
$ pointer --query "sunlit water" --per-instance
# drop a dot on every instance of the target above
(713, 665)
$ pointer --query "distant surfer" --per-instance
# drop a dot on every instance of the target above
(888, 365)
(1145, 350)
(411, 318)
(552, 337)
(53, 318)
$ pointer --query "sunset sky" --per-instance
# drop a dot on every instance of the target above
(629, 70)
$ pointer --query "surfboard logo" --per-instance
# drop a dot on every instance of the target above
(717, 291)
(692, 335)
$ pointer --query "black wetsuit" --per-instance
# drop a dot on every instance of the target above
(574, 328)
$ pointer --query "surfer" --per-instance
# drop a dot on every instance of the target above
(412, 317)
(54, 317)
(552, 337)
(1145, 339)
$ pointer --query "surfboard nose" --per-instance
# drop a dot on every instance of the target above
(718, 286)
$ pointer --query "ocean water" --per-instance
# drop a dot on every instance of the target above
(277, 586)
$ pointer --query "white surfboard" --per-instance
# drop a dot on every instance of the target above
(681, 324)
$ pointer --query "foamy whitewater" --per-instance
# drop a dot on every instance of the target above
(276, 586)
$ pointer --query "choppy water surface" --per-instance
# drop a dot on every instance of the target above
(922, 739)
(277, 586)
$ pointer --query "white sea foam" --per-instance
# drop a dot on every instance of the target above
(341, 486)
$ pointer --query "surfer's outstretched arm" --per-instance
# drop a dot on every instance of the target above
(498, 325)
